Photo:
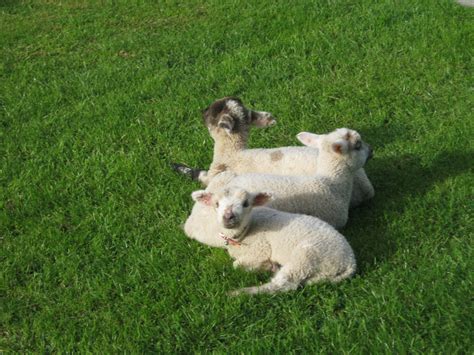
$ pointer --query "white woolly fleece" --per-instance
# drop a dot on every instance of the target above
(307, 249)
(230, 154)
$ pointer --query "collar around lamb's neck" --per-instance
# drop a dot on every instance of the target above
(234, 240)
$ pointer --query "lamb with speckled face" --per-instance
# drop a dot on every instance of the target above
(229, 122)
(299, 249)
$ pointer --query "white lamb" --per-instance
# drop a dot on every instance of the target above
(229, 123)
(301, 249)
(325, 195)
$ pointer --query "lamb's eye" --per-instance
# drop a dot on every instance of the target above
(358, 145)
(246, 203)
(217, 204)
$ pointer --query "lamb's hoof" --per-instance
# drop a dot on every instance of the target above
(186, 170)
(275, 267)
(234, 293)
(181, 168)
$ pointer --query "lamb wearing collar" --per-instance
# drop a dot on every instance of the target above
(301, 249)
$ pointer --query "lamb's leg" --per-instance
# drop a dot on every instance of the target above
(255, 261)
(215, 169)
(274, 267)
(193, 173)
(319, 277)
(362, 189)
(264, 266)
(281, 282)
(196, 174)
(248, 266)
(315, 279)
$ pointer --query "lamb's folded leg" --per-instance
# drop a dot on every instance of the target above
(362, 190)
(257, 266)
(281, 282)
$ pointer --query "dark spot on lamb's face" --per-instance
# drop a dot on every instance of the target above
(225, 110)
(276, 155)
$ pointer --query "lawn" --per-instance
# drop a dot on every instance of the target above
(96, 100)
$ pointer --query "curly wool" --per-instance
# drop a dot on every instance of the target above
(306, 249)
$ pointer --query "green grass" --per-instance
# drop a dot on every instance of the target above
(97, 99)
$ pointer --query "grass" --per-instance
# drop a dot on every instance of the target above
(97, 99)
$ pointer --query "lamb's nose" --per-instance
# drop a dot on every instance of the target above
(228, 215)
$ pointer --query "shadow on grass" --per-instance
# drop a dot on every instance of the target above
(383, 134)
(8, 3)
(397, 180)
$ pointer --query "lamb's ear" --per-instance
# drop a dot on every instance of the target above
(202, 196)
(309, 139)
(340, 147)
(226, 122)
(262, 119)
(262, 198)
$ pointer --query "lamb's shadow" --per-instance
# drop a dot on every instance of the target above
(397, 180)
(5, 4)
(383, 134)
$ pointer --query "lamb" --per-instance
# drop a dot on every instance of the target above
(229, 122)
(300, 249)
(325, 195)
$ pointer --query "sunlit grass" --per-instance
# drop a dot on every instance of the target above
(95, 102)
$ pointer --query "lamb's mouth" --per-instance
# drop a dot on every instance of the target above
(231, 224)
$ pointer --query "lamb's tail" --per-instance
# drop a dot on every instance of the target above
(192, 173)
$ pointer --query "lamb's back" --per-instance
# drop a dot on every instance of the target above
(280, 161)
(287, 232)
(310, 195)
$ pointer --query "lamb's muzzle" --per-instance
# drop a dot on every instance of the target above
(229, 219)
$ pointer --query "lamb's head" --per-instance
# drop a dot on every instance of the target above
(343, 147)
(229, 116)
(233, 206)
